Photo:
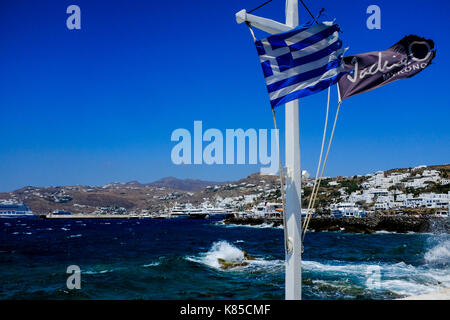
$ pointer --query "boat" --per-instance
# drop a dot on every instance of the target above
(211, 209)
(195, 213)
(217, 212)
(177, 211)
(14, 209)
(161, 216)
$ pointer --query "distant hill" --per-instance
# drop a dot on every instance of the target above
(183, 184)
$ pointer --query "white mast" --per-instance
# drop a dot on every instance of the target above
(293, 172)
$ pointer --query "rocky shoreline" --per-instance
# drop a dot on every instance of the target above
(367, 225)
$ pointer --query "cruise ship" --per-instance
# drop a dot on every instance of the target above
(14, 209)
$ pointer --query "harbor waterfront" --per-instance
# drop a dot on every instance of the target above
(186, 239)
(180, 239)
(179, 259)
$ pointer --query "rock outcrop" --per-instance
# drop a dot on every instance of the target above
(368, 225)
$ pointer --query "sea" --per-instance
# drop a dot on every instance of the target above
(178, 259)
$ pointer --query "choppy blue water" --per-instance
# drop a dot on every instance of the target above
(177, 259)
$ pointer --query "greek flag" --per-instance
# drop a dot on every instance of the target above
(301, 62)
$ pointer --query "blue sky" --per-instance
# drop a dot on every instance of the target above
(99, 104)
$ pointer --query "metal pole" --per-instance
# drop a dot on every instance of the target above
(293, 172)
(293, 209)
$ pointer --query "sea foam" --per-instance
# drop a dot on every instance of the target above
(222, 250)
(153, 264)
(230, 253)
(439, 254)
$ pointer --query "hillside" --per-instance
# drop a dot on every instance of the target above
(183, 184)
(119, 197)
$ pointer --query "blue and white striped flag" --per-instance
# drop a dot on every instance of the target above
(301, 62)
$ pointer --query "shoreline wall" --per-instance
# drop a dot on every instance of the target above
(368, 225)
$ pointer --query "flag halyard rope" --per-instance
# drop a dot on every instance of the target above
(319, 162)
(308, 218)
(249, 25)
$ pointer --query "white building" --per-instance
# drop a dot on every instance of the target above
(346, 209)
(428, 200)
(381, 206)
(430, 173)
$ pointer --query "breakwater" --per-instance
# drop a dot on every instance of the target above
(399, 224)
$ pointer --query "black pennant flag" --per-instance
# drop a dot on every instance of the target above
(368, 71)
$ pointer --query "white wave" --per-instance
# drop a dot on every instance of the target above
(439, 254)
(407, 287)
(263, 225)
(91, 272)
(405, 279)
(153, 264)
(65, 229)
(399, 278)
(75, 236)
(332, 283)
(394, 232)
(230, 253)
(421, 233)
(268, 266)
(266, 225)
(239, 241)
(221, 250)
(343, 268)
(360, 269)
